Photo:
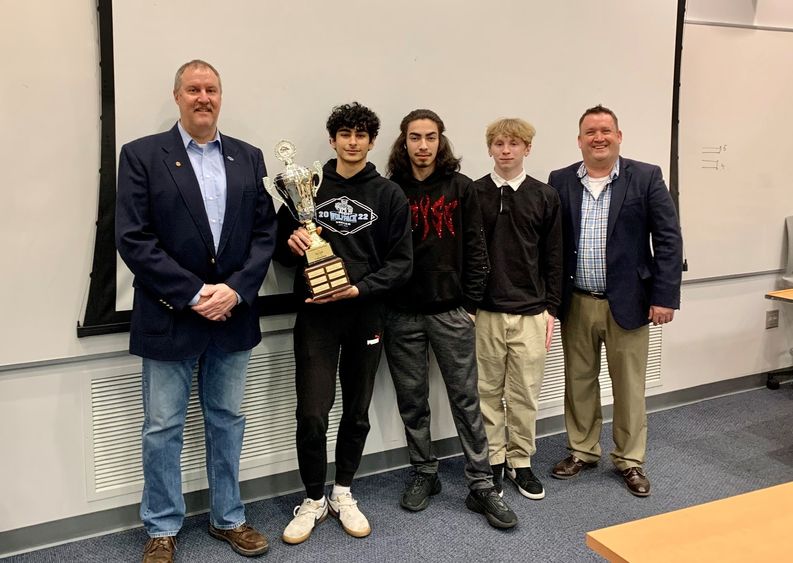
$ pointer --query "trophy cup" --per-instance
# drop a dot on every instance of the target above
(296, 188)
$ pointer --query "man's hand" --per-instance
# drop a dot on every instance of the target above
(349, 293)
(216, 302)
(661, 315)
(299, 241)
(549, 324)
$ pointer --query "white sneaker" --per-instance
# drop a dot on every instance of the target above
(307, 515)
(345, 508)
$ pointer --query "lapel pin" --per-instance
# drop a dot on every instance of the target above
(230, 158)
(178, 164)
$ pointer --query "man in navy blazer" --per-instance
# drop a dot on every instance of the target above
(622, 269)
(196, 228)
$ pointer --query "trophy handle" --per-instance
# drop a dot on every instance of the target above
(269, 185)
(317, 177)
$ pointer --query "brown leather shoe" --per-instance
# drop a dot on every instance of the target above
(636, 481)
(571, 466)
(159, 550)
(244, 539)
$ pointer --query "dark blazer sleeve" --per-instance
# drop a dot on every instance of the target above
(248, 279)
(137, 240)
(286, 226)
(476, 265)
(551, 258)
(667, 244)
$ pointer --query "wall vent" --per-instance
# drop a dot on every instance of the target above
(116, 417)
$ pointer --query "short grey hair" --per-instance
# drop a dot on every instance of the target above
(195, 63)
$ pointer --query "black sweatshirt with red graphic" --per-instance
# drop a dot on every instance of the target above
(450, 264)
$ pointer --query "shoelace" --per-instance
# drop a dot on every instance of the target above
(418, 482)
(346, 501)
(160, 546)
(299, 506)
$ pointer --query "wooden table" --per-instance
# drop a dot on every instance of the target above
(781, 295)
(755, 526)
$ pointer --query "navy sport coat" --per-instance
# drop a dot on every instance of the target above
(644, 247)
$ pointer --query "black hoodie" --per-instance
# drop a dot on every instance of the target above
(366, 220)
(450, 264)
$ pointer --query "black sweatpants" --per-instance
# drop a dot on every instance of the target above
(347, 335)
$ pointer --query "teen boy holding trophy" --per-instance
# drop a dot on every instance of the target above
(366, 220)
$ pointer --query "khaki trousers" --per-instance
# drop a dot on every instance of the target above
(510, 352)
(588, 326)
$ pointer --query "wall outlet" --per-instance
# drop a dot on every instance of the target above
(771, 319)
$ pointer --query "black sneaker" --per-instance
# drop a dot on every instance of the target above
(528, 485)
(418, 490)
(487, 502)
(498, 478)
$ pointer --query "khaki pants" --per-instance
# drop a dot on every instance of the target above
(510, 353)
(588, 326)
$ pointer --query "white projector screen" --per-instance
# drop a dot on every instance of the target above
(284, 65)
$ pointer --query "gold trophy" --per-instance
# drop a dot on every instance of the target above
(296, 188)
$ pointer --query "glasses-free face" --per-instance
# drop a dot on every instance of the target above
(599, 140)
(508, 154)
(199, 99)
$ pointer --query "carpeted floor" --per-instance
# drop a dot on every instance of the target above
(697, 453)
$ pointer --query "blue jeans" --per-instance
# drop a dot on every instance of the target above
(166, 392)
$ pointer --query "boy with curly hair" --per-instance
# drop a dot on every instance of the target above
(366, 220)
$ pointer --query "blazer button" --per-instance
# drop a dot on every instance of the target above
(211, 260)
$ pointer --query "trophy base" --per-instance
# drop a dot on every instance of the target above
(326, 277)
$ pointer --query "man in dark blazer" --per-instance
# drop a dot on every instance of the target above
(197, 229)
(622, 270)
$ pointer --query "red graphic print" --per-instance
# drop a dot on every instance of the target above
(437, 214)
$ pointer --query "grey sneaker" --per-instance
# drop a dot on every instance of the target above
(487, 502)
(527, 483)
(419, 489)
(307, 515)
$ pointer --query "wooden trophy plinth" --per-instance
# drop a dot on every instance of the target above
(326, 277)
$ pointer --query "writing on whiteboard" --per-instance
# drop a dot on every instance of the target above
(712, 163)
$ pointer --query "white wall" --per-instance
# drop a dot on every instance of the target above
(768, 13)
(51, 131)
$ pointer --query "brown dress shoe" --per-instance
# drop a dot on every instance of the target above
(636, 481)
(571, 466)
(159, 550)
(244, 539)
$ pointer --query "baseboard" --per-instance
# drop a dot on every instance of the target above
(125, 517)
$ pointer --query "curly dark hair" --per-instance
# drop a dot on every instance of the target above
(354, 116)
(399, 160)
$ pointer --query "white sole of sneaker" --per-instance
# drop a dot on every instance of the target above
(353, 533)
(524, 492)
(294, 540)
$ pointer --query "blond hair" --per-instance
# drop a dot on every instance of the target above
(513, 127)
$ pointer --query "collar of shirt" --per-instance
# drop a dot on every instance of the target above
(514, 183)
(187, 139)
(613, 175)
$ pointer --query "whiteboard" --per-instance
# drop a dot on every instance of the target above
(736, 148)
(284, 65)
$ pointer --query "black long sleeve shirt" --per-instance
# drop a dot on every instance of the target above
(524, 240)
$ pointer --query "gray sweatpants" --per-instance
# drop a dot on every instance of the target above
(452, 337)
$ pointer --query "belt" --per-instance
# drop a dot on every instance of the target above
(593, 294)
